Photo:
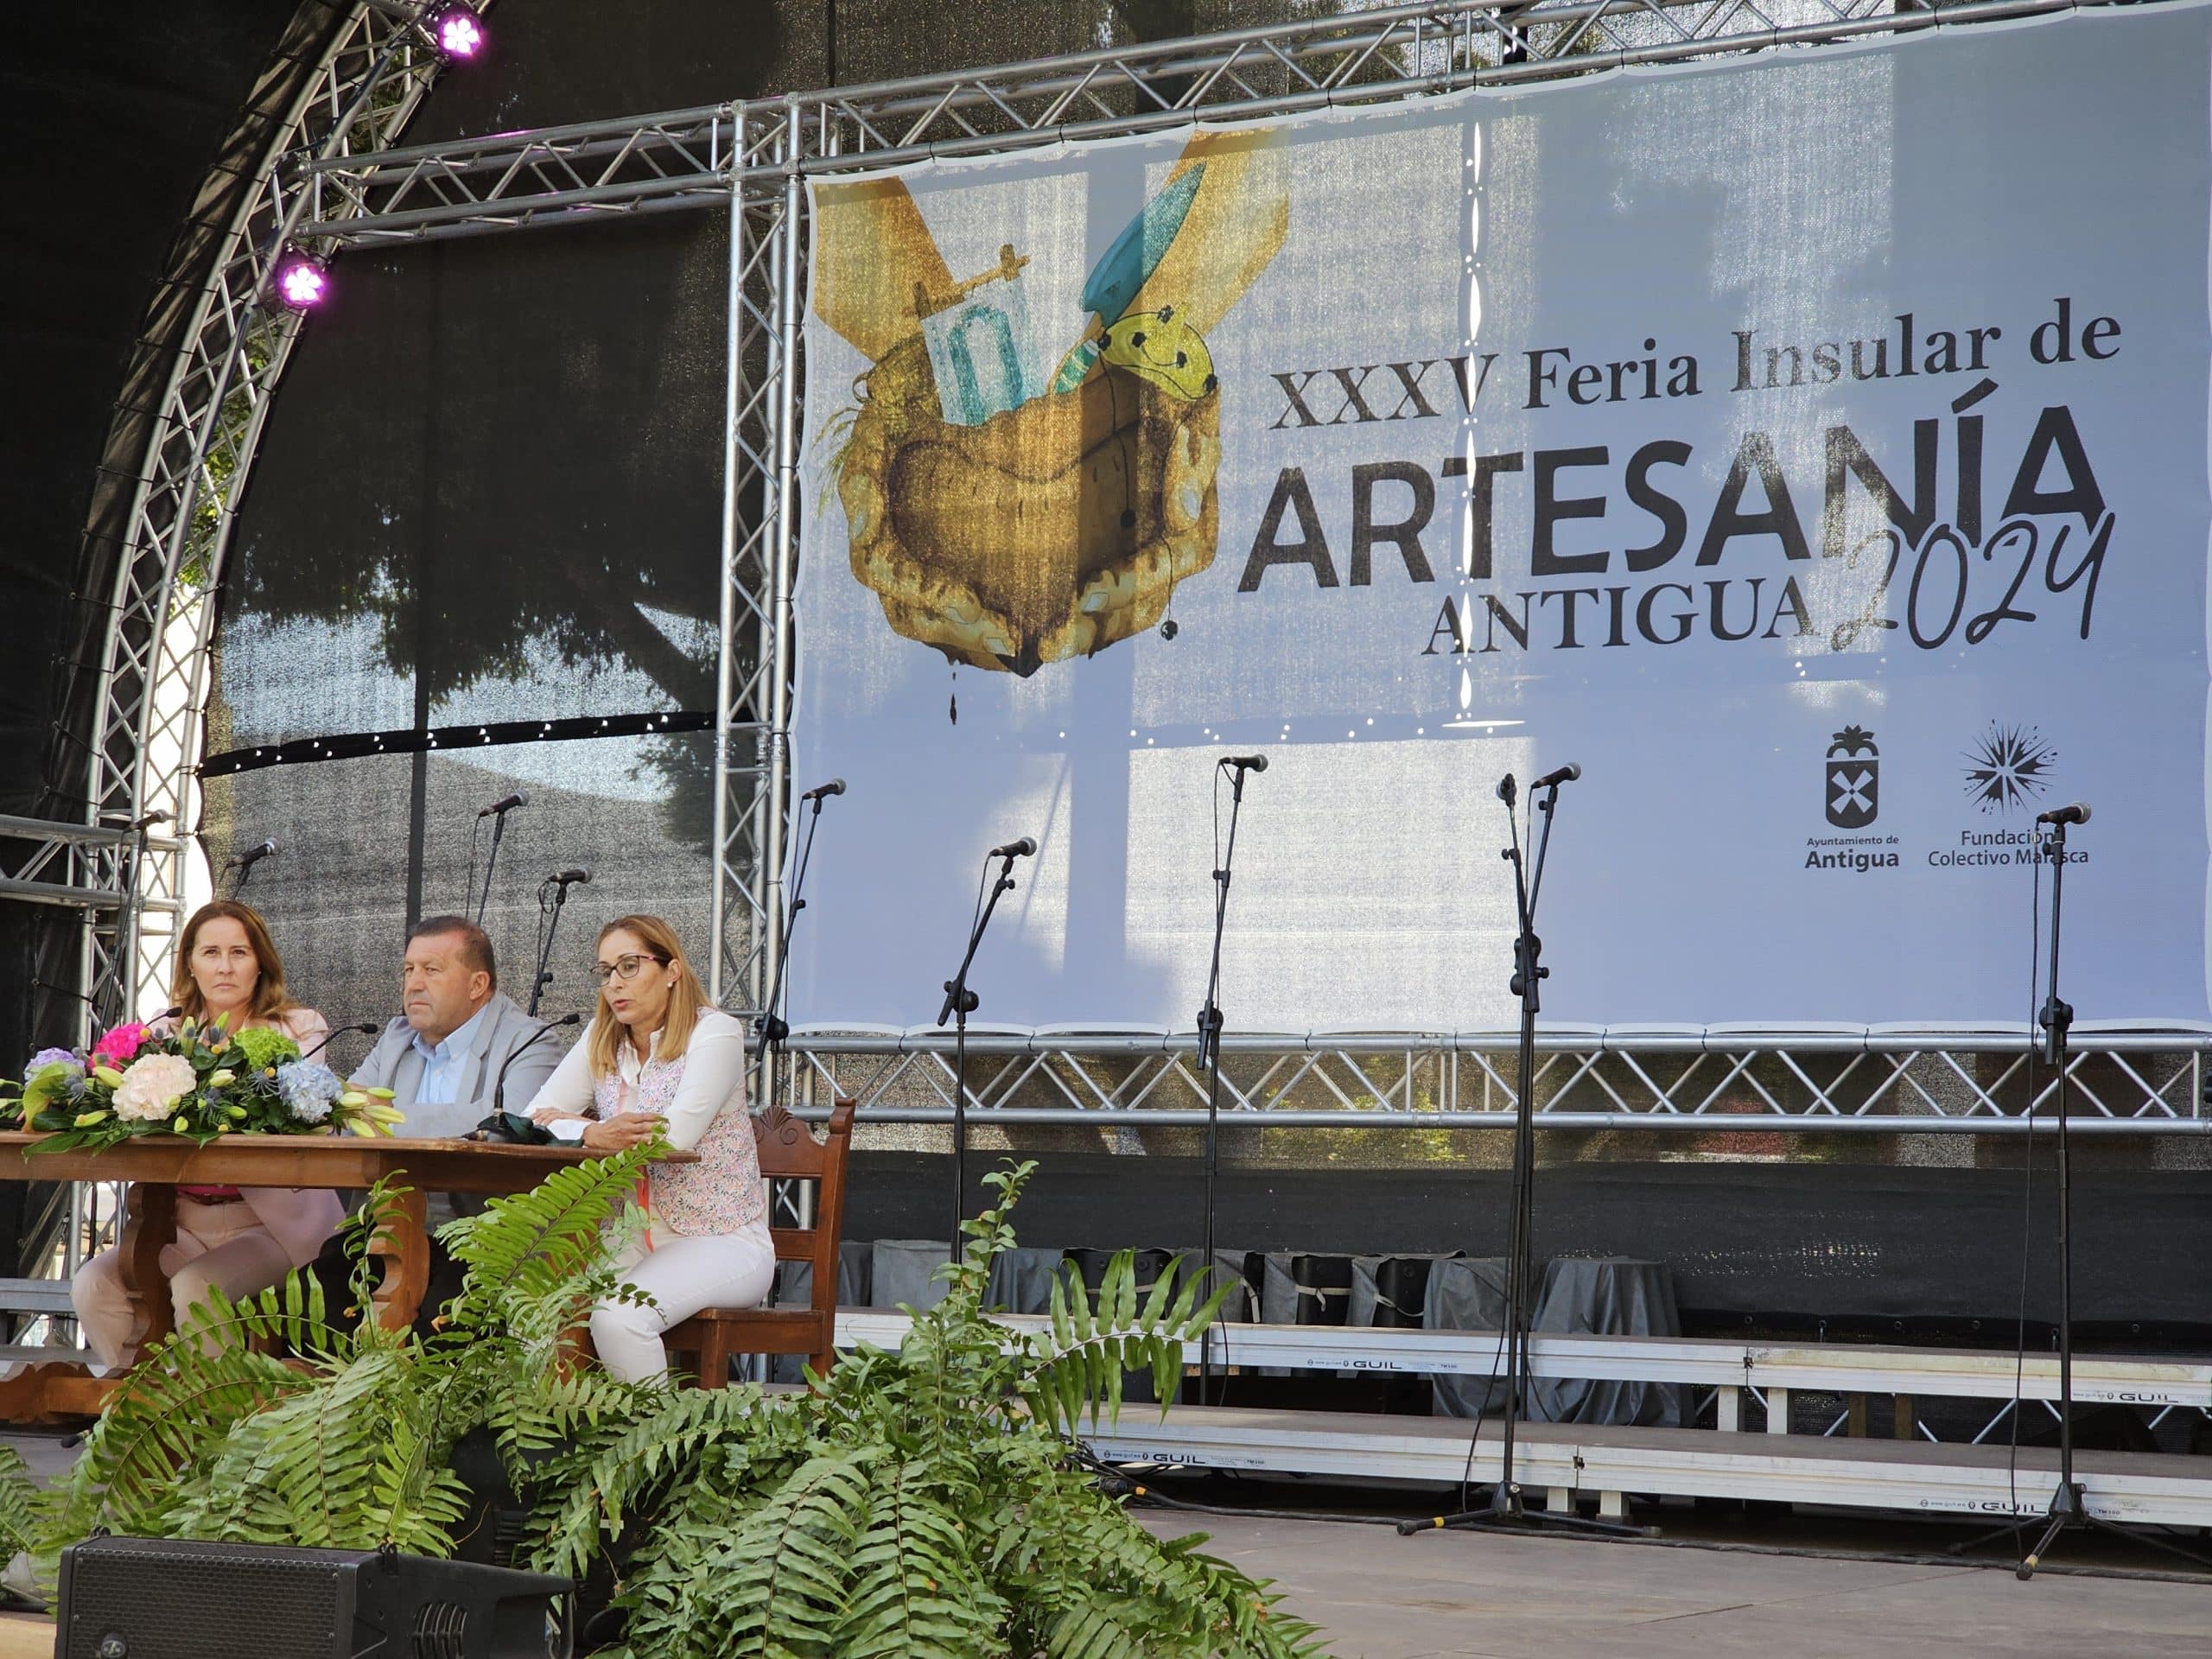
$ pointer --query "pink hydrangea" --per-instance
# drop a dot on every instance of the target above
(120, 1044)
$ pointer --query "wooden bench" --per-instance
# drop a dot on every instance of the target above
(788, 1152)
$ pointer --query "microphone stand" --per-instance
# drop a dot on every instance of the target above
(959, 1000)
(1210, 1024)
(1506, 1509)
(2066, 1509)
(245, 875)
(359, 1028)
(773, 1031)
(499, 1082)
(543, 976)
(498, 829)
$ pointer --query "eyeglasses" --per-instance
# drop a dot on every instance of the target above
(623, 968)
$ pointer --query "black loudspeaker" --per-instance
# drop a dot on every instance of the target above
(169, 1598)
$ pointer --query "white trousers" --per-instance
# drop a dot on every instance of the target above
(682, 1276)
(220, 1244)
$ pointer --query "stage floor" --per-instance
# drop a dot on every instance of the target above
(1715, 1587)
(1465, 1596)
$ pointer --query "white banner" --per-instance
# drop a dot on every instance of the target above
(1813, 447)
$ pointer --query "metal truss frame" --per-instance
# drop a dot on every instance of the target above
(88, 868)
(1714, 1082)
(155, 653)
(341, 186)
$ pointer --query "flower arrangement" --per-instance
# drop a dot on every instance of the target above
(197, 1081)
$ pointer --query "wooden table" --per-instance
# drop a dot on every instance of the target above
(157, 1164)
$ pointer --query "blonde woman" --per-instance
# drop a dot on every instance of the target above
(241, 1239)
(660, 1060)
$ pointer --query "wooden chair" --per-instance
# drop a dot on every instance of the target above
(788, 1152)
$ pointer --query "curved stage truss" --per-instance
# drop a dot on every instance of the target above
(331, 182)
(374, 73)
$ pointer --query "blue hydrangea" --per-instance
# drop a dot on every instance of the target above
(46, 1057)
(309, 1090)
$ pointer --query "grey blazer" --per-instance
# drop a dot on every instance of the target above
(395, 1063)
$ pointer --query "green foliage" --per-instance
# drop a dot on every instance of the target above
(920, 1504)
(214, 1083)
(265, 1047)
(348, 1443)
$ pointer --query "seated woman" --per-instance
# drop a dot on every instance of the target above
(660, 1060)
(243, 1240)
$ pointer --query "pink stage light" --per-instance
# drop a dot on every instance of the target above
(301, 283)
(458, 30)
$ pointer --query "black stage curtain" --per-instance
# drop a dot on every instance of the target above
(1863, 1251)
(491, 492)
(111, 121)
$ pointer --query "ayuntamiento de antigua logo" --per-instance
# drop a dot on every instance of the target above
(1854, 779)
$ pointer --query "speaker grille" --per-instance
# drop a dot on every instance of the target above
(203, 1604)
(441, 1631)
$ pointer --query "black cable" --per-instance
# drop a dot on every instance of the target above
(1653, 1539)
(2027, 1201)
(1467, 1470)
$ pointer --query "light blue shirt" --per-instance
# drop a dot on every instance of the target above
(442, 1064)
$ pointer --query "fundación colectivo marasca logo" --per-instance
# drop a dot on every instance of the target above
(1854, 766)
(2008, 767)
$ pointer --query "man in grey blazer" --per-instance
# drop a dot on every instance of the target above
(442, 1058)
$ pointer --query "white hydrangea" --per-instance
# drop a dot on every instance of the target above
(152, 1086)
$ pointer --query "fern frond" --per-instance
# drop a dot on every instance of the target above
(20, 1504)
(173, 1411)
(298, 1472)
(773, 1584)
(916, 1591)
(1077, 1366)
(592, 1493)
(537, 1244)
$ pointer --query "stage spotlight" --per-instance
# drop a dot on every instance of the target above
(301, 281)
(457, 29)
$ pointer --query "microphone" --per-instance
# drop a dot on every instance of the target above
(365, 1027)
(1565, 774)
(252, 856)
(1506, 789)
(835, 787)
(505, 805)
(1025, 847)
(499, 1084)
(1245, 762)
(563, 878)
(2077, 813)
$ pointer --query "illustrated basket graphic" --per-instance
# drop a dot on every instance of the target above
(1050, 530)
(1005, 511)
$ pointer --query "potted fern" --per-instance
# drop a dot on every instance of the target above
(926, 1502)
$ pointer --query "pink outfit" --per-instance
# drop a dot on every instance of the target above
(243, 1246)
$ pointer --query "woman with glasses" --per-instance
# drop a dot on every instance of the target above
(661, 1061)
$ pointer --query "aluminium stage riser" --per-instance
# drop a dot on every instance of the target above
(1706, 1363)
(1596, 1463)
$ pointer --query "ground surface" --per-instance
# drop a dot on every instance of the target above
(1467, 1596)
(1716, 1586)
